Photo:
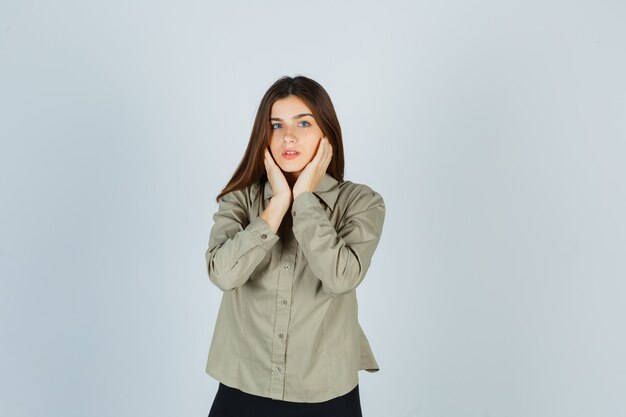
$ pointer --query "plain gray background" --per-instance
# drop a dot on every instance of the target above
(493, 129)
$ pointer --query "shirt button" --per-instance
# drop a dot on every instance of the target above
(281, 335)
(287, 267)
(263, 236)
(283, 302)
(278, 369)
(294, 213)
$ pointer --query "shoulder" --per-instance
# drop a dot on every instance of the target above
(354, 196)
(243, 196)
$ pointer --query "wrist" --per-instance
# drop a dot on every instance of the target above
(297, 192)
(281, 201)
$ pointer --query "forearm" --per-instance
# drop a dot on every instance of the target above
(231, 262)
(339, 258)
(237, 244)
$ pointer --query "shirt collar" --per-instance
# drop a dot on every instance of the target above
(327, 190)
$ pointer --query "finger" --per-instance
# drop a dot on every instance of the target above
(328, 150)
(318, 152)
(329, 154)
(322, 152)
(322, 147)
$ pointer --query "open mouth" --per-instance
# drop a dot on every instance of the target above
(290, 154)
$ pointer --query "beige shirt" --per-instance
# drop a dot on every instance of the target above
(287, 326)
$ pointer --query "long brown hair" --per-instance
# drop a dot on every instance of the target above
(251, 169)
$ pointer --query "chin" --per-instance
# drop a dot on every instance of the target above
(292, 168)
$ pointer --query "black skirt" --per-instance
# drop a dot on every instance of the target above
(231, 402)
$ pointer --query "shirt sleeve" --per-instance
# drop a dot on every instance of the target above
(339, 258)
(236, 245)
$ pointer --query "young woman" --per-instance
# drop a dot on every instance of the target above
(290, 243)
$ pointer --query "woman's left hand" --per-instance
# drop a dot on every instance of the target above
(313, 173)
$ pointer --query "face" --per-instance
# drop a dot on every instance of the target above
(293, 128)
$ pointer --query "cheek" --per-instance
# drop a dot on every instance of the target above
(274, 147)
(310, 154)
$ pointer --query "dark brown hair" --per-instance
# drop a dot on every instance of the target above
(251, 169)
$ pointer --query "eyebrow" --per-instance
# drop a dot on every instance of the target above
(294, 117)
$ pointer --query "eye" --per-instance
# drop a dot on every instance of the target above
(307, 123)
(274, 125)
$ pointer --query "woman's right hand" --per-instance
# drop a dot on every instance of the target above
(281, 198)
(280, 186)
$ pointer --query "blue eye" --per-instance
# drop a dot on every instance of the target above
(275, 125)
(309, 124)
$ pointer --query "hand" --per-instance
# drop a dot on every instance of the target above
(277, 179)
(281, 198)
(313, 173)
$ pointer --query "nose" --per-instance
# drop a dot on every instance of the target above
(289, 137)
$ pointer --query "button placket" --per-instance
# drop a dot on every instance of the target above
(283, 315)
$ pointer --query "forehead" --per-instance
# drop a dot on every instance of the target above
(289, 106)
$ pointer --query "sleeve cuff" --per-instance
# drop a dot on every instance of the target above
(261, 234)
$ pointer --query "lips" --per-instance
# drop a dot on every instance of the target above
(290, 155)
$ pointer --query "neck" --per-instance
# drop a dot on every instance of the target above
(291, 178)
